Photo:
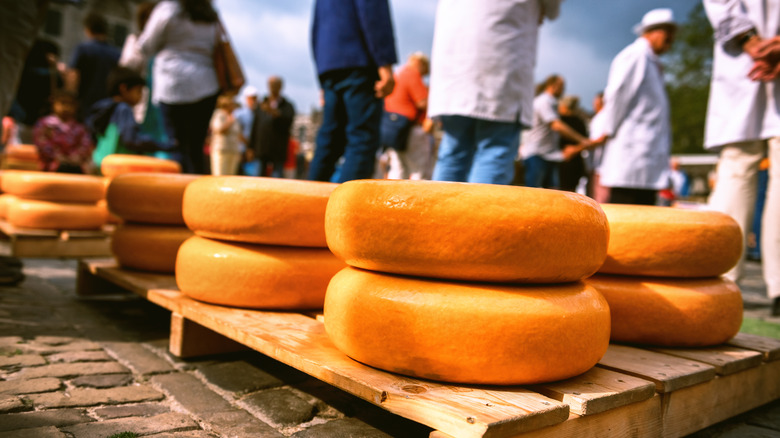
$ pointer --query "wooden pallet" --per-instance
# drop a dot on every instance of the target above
(632, 392)
(29, 242)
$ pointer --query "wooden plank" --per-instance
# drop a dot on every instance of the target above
(11, 231)
(138, 282)
(694, 408)
(88, 283)
(190, 339)
(769, 347)
(56, 247)
(301, 342)
(725, 359)
(637, 420)
(598, 390)
(669, 373)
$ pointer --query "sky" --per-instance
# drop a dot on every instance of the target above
(271, 37)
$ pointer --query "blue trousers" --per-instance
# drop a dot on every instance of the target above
(477, 150)
(541, 173)
(350, 126)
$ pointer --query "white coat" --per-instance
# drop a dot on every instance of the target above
(740, 109)
(637, 120)
(483, 57)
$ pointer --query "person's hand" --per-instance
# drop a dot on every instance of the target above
(571, 151)
(384, 86)
(599, 141)
(764, 71)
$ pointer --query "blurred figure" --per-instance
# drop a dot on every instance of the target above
(64, 144)
(91, 63)
(270, 134)
(572, 169)
(678, 185)
(354, 50)
(225, 137)
(636, 115)
(483, 57)
(595, 154)
(743, 122)
(40, 79)
(407, 143)
(245, 115)
(181, 36)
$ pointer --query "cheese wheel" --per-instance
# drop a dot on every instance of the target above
(5, 202)
(671, 312)
(154, 198)
(475, 333)
(55, 187)
(110, 217)
(670, 242)
(25, 213)
(117, 164)
(473, 232)
(256, 276)
(148, 247)
(22, 152)
(270, 211)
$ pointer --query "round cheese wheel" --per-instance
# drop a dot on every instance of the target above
(475, 333)
(22, 152)
(473, 232)
(110, 217)
(154, 198)
(148, 247)
(270, 211)
(670, 242)
(256, 276)
(25, 213)
(5, 202)
(55, 187)
(671, 312)
(117, 164)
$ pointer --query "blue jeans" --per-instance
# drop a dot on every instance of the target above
(477, 150)
(540, 172)
(350, 125)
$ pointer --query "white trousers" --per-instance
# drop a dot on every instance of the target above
(735, 194)
(417, 161)
(225, 162)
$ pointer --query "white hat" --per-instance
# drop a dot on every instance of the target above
(250, 91)
(655, 18)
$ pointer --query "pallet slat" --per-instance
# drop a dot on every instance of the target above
(669, 373)
(725, 359)
(26, 242)
(770, 348)
(598, 390)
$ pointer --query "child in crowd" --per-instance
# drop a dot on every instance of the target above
(64, 144)
(113, 123)
(226, 138)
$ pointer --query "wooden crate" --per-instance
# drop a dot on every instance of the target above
(631, 392)
(28, 242)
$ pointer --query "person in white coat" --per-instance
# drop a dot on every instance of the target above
(482, 83)
(743, 123)
(636, 115)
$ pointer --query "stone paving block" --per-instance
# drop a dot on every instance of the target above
(191, 393)
(346, 428)
(10, 341)
(70, 369)
(57, 418)
(92, 397)
(169, 422)
(238, 377)
(137, 358)
(326, 395)
(38, 432)
(239, 423)
(21, 360)
(56, 340)
(30, 386)
(12, 403)
(160, 348)
(46, 349)
(80, 356)
(768, 417)
(187, 434)
(102, 380)
(139, 410)
(279, 406)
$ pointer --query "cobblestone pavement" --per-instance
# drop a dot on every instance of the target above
(77, 367)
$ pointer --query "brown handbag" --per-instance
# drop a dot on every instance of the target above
(229, 74)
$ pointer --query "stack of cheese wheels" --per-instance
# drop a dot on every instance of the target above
(152, 228)
(21, 157)
(467, 283)
(118, 164)
(662, 278)
(54, 201)
(260, 243)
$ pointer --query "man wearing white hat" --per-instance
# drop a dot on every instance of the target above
(636, 115)
(743, 122)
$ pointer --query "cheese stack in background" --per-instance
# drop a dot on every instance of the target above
(21, 157)
(260, 243)
(152, 228)
(662, 274)
(118, 164)
(467, 283)
(56, 201)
